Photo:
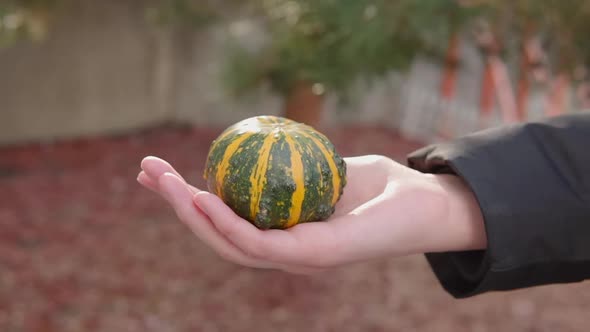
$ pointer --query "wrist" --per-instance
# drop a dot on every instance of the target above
(462, 226)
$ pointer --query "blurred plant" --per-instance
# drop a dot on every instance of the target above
(327, 46)
(330, 44)
(30, 19)
(178, 12)
(191, 13)
(24, 19)
(561, 25)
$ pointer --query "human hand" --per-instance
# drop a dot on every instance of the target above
(386, 210)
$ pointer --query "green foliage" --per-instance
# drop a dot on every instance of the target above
(242, 69)
(180, 12)
(565, 28)
(562, 25)
(30, 19)
(335, 43)
(24, 20)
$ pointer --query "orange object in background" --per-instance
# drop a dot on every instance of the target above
(486, 97)
(495, 82)
(504, 90)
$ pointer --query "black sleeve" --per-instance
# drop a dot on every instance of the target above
(532, 182)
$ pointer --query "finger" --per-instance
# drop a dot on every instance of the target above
(147, 182)
(155, 167)
(181, 199)
(277, 246)
(232, 254)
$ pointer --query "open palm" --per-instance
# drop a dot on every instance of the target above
(361, 227)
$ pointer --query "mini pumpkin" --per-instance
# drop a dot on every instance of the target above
(275, 172)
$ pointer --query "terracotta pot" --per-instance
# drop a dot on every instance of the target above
(303, 105)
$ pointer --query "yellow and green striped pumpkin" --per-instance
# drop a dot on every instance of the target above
(275, 172)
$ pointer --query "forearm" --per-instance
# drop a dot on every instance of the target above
(462, 227)
(432, 213)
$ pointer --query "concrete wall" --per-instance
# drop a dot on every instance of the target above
(96, 73)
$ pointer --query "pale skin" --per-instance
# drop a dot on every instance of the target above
(387, 210)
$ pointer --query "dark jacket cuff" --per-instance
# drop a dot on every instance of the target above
(532, 182)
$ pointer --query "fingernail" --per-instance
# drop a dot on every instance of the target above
(195, 199)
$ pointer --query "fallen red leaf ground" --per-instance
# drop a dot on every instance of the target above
(84, 248)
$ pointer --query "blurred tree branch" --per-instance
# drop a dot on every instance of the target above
(335, 43)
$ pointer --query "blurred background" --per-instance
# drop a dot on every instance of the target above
(88, 88)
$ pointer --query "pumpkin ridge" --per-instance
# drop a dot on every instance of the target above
(297, 174)
(236, 190)
(315, 195)
(331, 163)
(214, 157)
(223, 168)
(258, 176)
(225, 134)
